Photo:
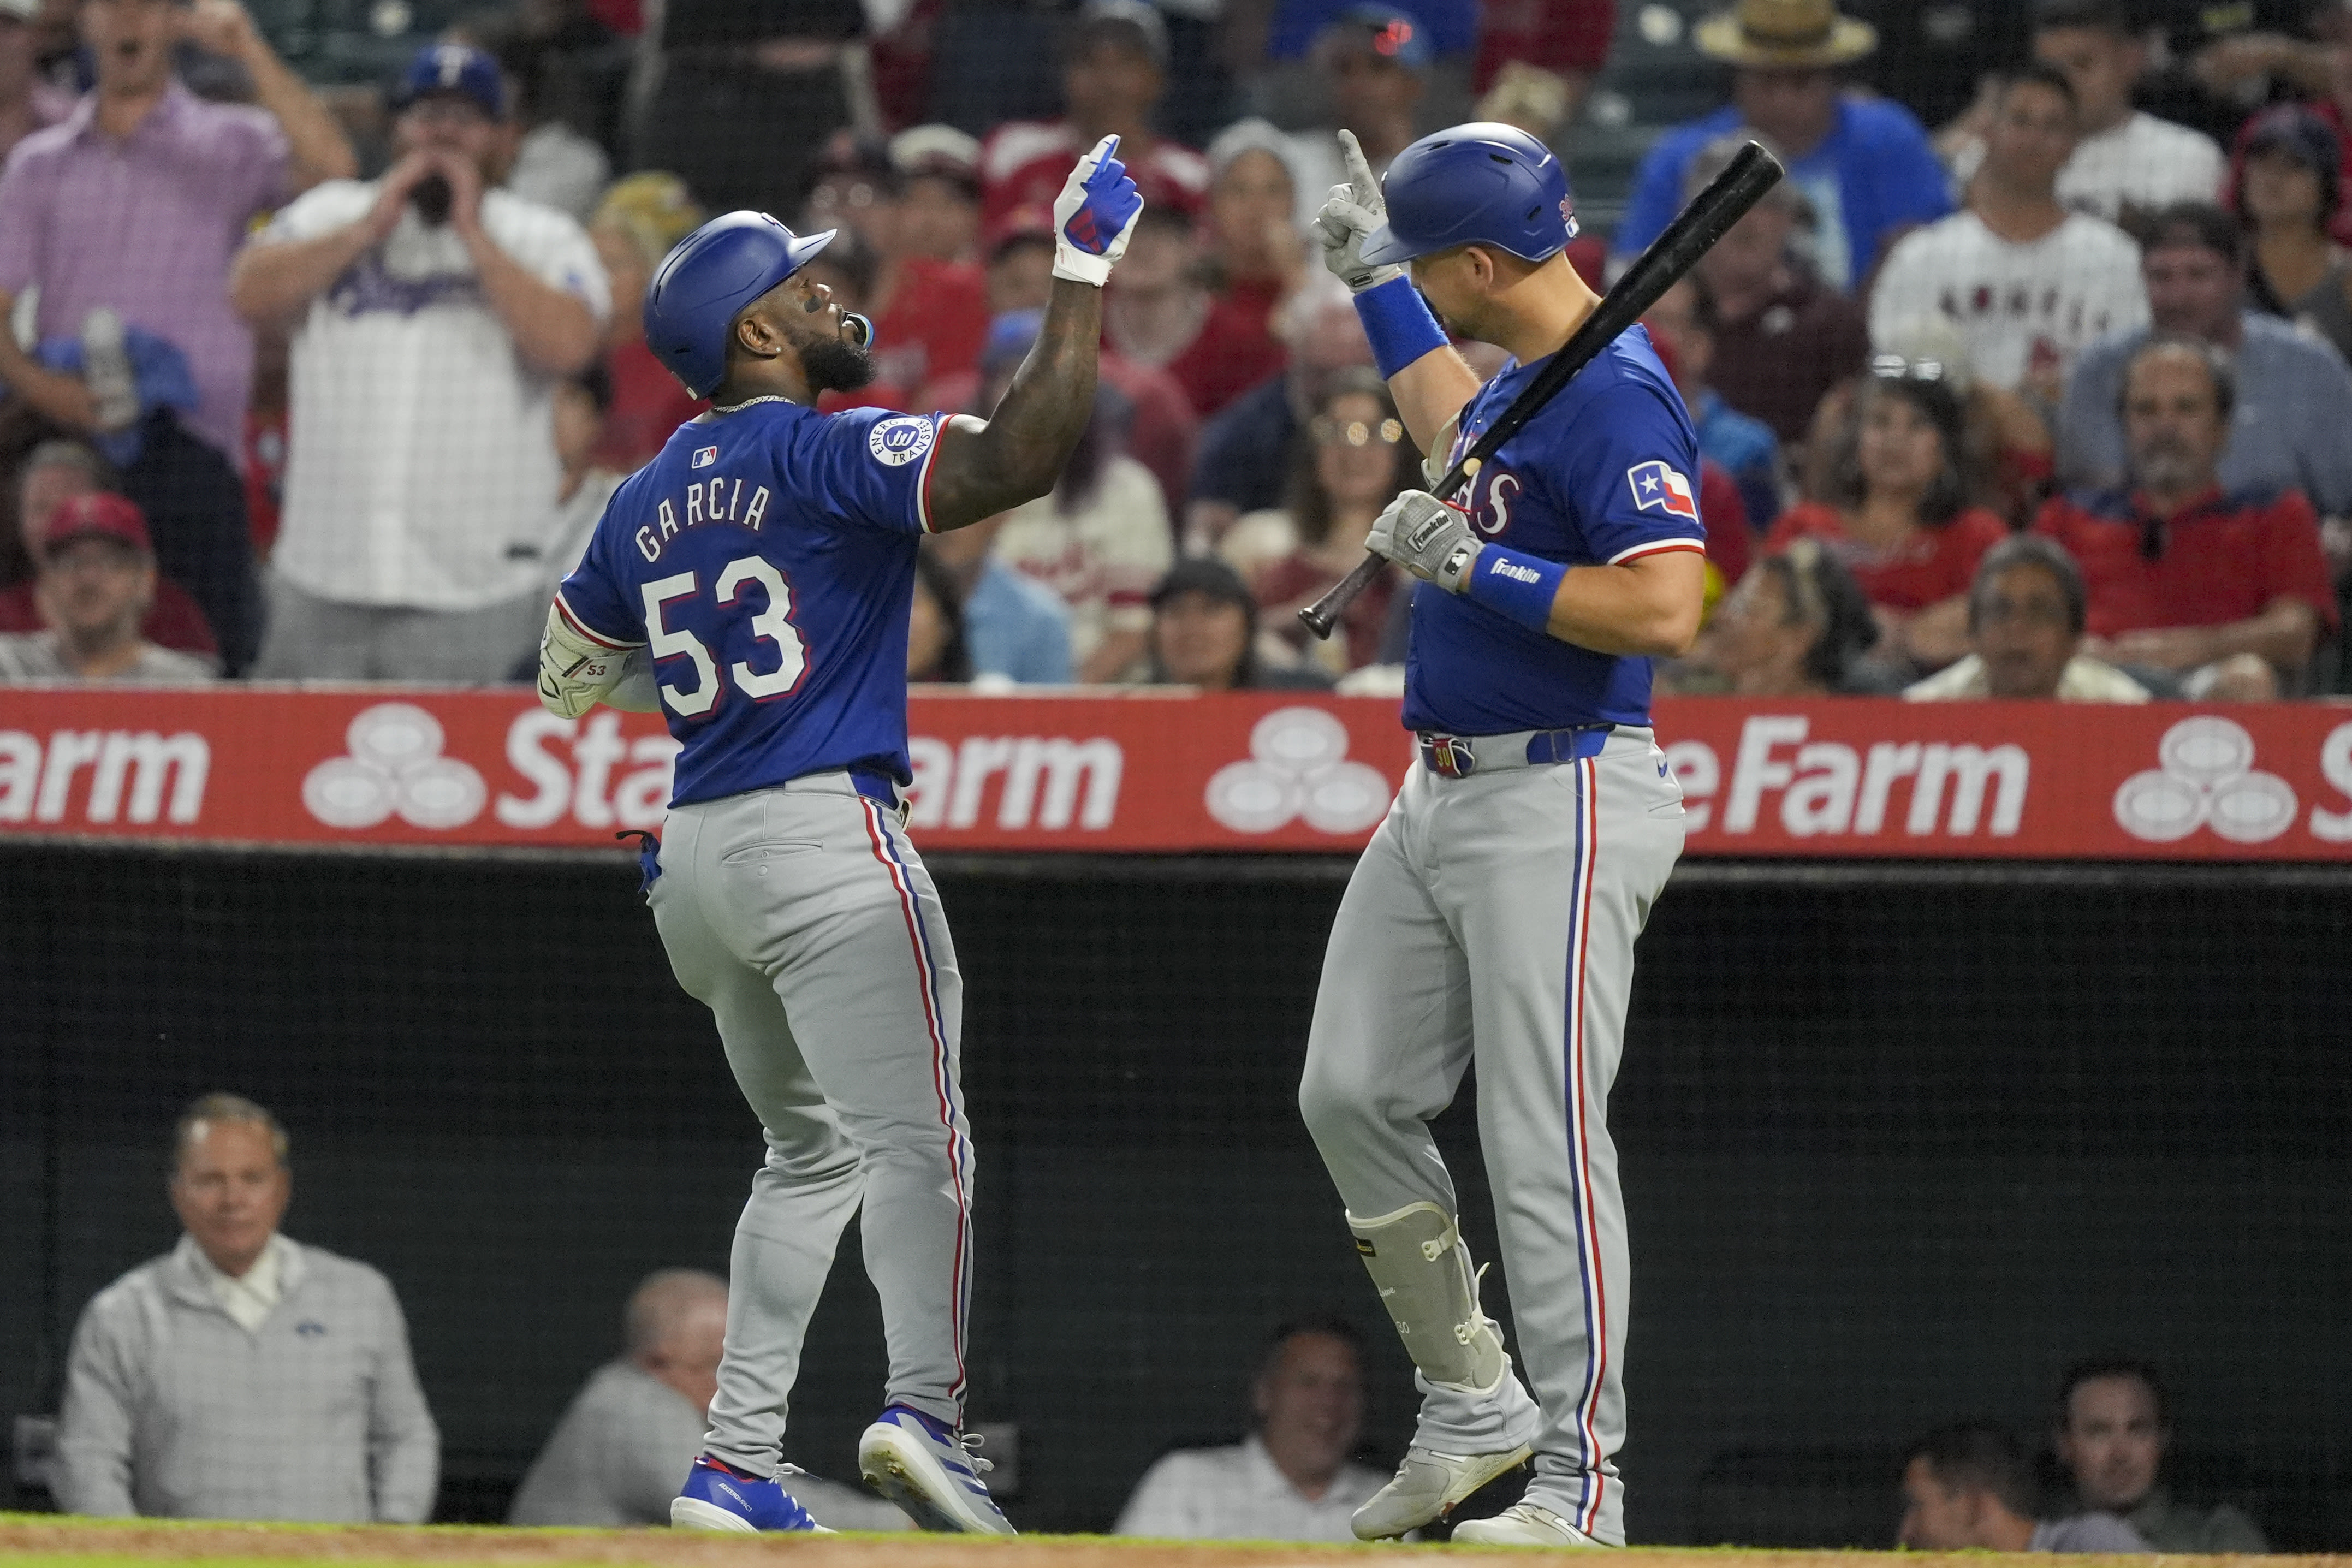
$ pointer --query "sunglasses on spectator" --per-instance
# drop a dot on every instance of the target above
(1330, 432)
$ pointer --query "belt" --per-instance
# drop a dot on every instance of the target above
(879, 788)
(1459, 756)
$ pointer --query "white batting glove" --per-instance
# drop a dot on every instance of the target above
(1094, 216)
(1427, 537)
(1353, 211)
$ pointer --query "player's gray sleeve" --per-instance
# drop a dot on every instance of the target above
(93, 1462)
(403, 1444)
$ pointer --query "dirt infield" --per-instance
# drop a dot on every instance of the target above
(125, 1543)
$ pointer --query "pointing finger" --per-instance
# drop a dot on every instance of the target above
(1360, 169)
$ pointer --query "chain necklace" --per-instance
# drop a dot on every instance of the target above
(738, 407)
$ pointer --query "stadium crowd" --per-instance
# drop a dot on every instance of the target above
(2044, 400)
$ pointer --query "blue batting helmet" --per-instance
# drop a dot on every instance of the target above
(705, 281)
(1481, 183)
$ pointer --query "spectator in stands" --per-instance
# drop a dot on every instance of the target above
(939, 192)
(53, 473)
(582, 406)
(2219, 61)
(2287, 197)
(1350, 462)
(1290, 1479)
(1797, 626)
(1371, 62)
(1020, 247)
(27, 103)
(1968, 1486)
(2294, 399)
(1896, 516)
(1537, 60)
(1014, 628)
(2227, 591)
(1783, 339)
(2127, 164)
(124, 217)
(1204, 633)
(1255, 257)
(634, 226)
(1245, 453)
(2028, 283)
(1863, 163)
(421, 509)
(1113, 73)
(935, 643)
(931, 317)
(242, 1376)
(629, 1435)
(1685, 325)
(2026, 618)
(2111, 1434)
(553, 163)
(94, 585)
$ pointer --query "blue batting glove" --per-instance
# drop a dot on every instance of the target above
(1094, 216)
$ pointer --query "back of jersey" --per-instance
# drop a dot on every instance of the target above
(767, 559)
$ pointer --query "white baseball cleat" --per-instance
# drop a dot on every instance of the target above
(1522, 1524)
(1426, 1487)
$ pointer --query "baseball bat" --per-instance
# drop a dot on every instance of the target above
(1751, 172)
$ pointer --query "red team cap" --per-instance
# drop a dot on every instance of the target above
(99, 515)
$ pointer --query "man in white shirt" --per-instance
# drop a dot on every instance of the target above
(2127, 163)
(2027, 283)
(432, 318)
(1290, 1479)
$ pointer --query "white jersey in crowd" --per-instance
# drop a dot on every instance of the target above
(420, 466)
(2019, 308)
(1103, 558)
(1236, 1493)
(2142, 163)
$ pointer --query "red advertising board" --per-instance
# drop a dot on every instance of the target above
(1146, 771)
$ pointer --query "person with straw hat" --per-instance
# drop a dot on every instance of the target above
(1864, 163)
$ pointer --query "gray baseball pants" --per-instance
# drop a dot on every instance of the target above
(805, 921)
(1492, 919)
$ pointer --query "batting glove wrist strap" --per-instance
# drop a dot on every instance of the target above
(1094, 216)
(1520, 586)
(1427, 537)
(1397, 319)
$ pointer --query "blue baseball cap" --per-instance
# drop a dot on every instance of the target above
(458, 68)
(1392, 33)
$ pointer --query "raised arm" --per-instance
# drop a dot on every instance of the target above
(315, 142)
(274, 281)
(987, 467)
(554, 332)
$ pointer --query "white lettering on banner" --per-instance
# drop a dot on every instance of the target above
(1827, 788)
(583, 788)
(1049, 782)
(2336, 767)
(36, 782)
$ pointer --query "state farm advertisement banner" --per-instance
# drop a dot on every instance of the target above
(1151, 771)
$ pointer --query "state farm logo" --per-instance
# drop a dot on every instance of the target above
(1298, 768)
(2206, 778)
(394, 766)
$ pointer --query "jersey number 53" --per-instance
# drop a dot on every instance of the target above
(773, 624)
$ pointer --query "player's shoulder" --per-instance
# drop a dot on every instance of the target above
(887, 436)
(1626, 382)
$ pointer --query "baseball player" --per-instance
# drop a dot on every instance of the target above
(755, 582)
(1493, 916)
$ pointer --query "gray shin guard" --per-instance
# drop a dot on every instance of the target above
(1416, 1257)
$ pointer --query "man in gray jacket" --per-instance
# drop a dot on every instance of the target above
(241, 1375)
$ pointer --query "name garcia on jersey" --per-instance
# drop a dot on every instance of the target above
(718, 499)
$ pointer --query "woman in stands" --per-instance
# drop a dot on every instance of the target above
(1797, 626)
(2287, 197)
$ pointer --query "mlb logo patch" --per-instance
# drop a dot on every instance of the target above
(1657, 487)
(704, 455)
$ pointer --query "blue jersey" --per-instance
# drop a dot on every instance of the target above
(768, 558)
(1605, 472)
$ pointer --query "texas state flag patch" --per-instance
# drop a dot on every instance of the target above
(706, 455)
(1657, 487)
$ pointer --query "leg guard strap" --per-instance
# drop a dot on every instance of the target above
(1416, 1257)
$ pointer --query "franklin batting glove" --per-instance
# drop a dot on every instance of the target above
(1427, 537)
(1093, 216)
(1353, 211)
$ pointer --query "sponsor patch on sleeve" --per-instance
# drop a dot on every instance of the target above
(897, 441)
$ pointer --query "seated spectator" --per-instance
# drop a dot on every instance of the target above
(939, 192)
(421, 511)
(1863, 163)
(1968, 1486)
(1014, 629)
(54, 472)
(1244, 454)
(125, 217)
(27, 103)
(1155, 319)
(1896, 516)
(1100, 540)
(1113, 74)
(1020, 260)
(1290, 1479)
(1797, 626)
(2287, 197)
(2127, 164)
(2111, 1435)
(1783, 339)
(1537, 60)
(582, 406)
(94, 585)
(636, 1424)
(1351, 461)
(2228, 591)
(1371, 63)
(2028, 283)
(1255, 257)
(2294, 400)
(2026, 618)
(931, 317)
(635, 225)
(242, 1376)
(935, 644)
(1683, 326)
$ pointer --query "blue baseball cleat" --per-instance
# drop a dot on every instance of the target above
(923, 1466)
(718, 1496)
